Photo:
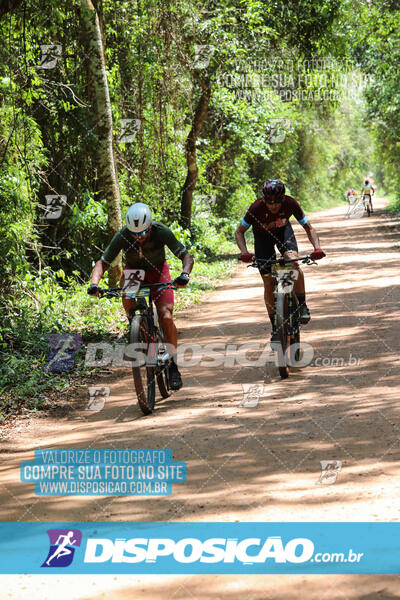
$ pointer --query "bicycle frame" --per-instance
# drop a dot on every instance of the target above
(286, 317)
(145, 306)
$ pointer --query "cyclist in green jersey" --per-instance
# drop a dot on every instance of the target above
(143, 242)
(367, 191)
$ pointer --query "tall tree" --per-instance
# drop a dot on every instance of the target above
(108, 172)
(190, 153)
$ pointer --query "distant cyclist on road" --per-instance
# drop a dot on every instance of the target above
(143, 241)
(269, 216)
(350, 192)
(368, 190)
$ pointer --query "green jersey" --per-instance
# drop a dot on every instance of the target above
(148, 254)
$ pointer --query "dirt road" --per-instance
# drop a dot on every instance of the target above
(260, 463)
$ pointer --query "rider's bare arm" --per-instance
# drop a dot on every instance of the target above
(239, 236)
(99, 269)
(311, 234)
(187, 263)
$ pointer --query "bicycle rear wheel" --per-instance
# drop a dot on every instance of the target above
(143, 375)
(367, 205)
(282, 322)
(294, 350)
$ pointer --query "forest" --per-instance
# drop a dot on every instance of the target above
(187, 106)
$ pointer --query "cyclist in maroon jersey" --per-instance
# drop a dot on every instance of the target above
(269, 216)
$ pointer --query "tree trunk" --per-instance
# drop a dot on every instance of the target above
(108, 179)
(190, 155)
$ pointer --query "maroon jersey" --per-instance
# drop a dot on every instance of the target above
(260, 217)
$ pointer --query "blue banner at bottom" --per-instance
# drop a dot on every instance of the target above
(207, 548)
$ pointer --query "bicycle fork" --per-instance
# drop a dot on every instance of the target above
(157, 354)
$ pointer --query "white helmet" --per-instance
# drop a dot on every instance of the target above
(138, 217)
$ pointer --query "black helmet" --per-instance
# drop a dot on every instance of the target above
(274, 190)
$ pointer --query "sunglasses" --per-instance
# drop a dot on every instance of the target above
(273, 201)
(140, 233)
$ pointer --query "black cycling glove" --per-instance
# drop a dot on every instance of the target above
(183, 279)
(93, 289)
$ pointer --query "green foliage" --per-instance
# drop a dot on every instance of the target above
(24, 347)
(49, 139)
(377, 51)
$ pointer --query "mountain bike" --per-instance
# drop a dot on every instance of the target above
(147, 349)
(367, 202)
(286, 308)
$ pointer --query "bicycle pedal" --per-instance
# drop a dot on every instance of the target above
(163, 358)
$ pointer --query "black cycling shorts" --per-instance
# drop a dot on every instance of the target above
(264, 244)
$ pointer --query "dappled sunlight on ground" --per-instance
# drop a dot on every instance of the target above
(260, 463)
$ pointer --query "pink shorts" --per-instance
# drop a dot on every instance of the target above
(158, 274)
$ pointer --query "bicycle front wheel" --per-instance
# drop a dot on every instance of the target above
(162, 370)
(282, 322)
(143, 375)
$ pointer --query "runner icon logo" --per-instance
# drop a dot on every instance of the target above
(129, 130)
(251, 394)
(329, 471)
(131, 280)
(278, 131)
(62, 351)
(63, 543)
(98, 395)
(54, 206)
(50, 55)
(202, 56)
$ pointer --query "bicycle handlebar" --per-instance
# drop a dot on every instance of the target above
(115, 292)
(281, 261)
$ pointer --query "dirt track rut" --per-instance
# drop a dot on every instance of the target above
(261, 463)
